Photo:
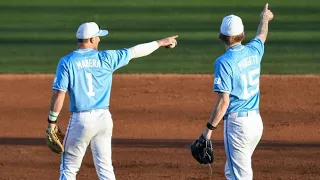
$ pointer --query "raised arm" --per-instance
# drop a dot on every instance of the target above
(266, 16)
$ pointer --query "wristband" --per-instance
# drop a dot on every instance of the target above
(209, 126)
(53, 117)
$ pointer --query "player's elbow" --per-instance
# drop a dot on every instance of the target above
(224, 99)
(225, 104)
(262, 37)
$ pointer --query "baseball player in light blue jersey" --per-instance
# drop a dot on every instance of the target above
(86, 74)
(237, 81)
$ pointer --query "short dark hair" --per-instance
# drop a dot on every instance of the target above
(229, 40)
(83, 40)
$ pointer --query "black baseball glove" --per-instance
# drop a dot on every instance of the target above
(202, 151)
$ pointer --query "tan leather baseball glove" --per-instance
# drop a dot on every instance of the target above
(54, 138)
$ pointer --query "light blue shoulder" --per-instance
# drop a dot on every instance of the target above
(224, 59)
(103, 53)
(65, 60)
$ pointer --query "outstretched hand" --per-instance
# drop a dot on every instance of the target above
(267, 13)
(168, 42)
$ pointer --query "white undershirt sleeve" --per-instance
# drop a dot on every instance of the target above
(145, 49)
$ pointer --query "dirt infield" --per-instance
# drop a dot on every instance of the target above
(155, 118)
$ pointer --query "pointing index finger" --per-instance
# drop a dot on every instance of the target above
(174, 36)
(266, 7)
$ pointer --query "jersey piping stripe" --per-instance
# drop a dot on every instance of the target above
(62, 177)
(229, 154)
(63, 159)
(59, 89)
(223, 91)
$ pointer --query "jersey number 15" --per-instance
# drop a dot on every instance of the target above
(250, 83)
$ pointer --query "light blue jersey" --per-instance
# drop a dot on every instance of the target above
(87, 75)
(237, 72)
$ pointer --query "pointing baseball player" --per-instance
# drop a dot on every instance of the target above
(236, 80)
(86, 74)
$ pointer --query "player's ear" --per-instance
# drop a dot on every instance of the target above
(92, 40)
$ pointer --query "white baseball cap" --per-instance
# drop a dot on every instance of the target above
(90, 29)
(231, 25)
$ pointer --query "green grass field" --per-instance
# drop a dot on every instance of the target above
(35, 34)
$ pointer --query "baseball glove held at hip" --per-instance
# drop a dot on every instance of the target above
(202, 150)
(54, 139)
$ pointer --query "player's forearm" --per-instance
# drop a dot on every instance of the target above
(56, 104)
(263, 28)
(218, 112)
(144, 49)
(216, 116)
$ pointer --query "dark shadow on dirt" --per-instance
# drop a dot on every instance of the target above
(156, 143)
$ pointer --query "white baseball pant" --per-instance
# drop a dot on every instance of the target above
(242, 133)
(95, 128)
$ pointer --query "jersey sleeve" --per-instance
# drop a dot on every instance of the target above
(118, 58)
(222, 77)
(61, 80)
(257, 45)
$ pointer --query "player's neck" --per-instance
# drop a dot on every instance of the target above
(232, 45)
(84, 46)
